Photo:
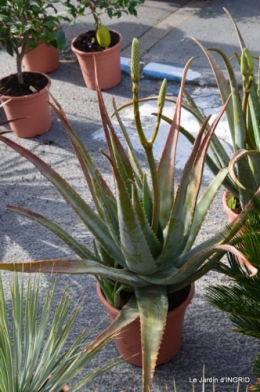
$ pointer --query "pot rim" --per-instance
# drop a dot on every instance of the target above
(174, 312)
(7, 97)
(98, 53)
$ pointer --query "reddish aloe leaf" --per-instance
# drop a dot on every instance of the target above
(95, 224)
(166, 165)
(78, 248)
(127, 314)
(116, 150)
(240, 38)
(203, 205)
(75, 266)
(182, 215)
(244, 156)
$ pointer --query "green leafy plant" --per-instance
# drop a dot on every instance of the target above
(33, 334)
(97, 8)
(232, 203)
(144, 231)
(25, 24)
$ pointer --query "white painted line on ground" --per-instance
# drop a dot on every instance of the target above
(168, 71)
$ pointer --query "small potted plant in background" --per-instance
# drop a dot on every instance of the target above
(101, 44)
(24, 26)
(34, 335)
(144, 256)
(243, 118)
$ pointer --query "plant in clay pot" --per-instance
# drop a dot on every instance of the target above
(243, 123)
(102, 44)
(144, 253)
(23, 26)
(34, 331)
(243, 119)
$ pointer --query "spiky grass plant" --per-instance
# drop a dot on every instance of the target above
(34, 331)
(144, 230)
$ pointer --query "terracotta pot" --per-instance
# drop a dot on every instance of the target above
(128, 342)
(42, 59)
(107, 62)
(35, 107)
(232, 215)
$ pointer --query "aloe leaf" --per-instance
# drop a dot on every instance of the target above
(147, 200)
(172, 276)
(95, 224)
(239, 135)
(153, 308)
(239, 36)
(134, 245)
(254, 113)
(221, 157)
(166, 166)
(160, 106)
(96, 183)
(203, 205)
(75, 266)
(250, 163)
(244, 171)
(220, 154)
(154, 245)
(78, 248)
(127, 314)
(122, 169)
(226, 235)
(223, 86)
(79, 149)
(182, 216)
(112, 139)
(135, 163)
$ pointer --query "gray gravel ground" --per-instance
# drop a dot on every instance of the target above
(207, 339)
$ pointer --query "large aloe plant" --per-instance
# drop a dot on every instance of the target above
(145, 231)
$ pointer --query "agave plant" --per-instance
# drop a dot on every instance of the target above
(241, 298)
(145, 231)
(33, 337)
